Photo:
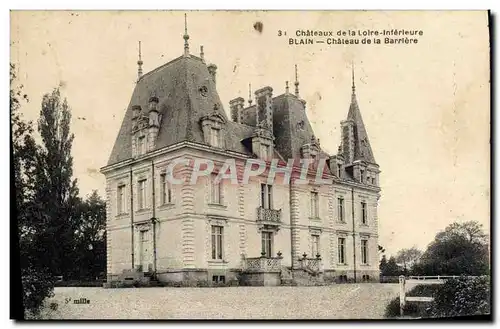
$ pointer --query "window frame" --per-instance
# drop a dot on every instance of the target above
(165, 190)
(121, 199)
(315, 245)
(142, 194)
(215, 136)
(364, 251)
(267, 243)
(314, 204)
(341, 209)
(341, 255)
(141, 144)
(266, 196)
(364, 213)
(215, 190)
(217, 242)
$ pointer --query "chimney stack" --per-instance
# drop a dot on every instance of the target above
(212, 69)
(154, 124)
(236, 106)
(264, 102)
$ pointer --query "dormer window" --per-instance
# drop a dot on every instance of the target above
(264, 151)
(213, 126)
(339, 169)
(361, 175)
(141, 145)
(215, 137)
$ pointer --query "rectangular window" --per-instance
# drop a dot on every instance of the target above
(314, 205)
(141, 194)
(217, 242)
(364, 251)
(267, 243)
(340, 209)
(166, 190)
(341, 247)
(363, 212)
(264, 151)
(314, 245)
(361, 175)
(215, 137)
(141, 144)
(120, 202)
(339, 170)
(266, 196)
(215, 190)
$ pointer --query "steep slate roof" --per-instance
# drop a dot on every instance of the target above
(291, 126)
(362, 148)
(181, 104)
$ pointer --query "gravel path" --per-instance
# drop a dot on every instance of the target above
(345, 301)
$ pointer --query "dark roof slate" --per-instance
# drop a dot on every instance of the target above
(362, 148)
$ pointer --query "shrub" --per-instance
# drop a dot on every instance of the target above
(38, 284)
(415, 309)
(461, 297)
(410, 309)
(456, 297)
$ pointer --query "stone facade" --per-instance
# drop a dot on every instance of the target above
(188, 234)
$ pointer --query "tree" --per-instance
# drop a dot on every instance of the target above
(383, 264)
(408, 257)
(55, 188)
(461, 249)
(36, 279)
(391, 268)
(91, 237)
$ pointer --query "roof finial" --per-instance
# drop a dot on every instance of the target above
(139, 64)
(249, 94)
(287, 89)
(296, 82)
(353, 85)
(202, 54)
(186, 37)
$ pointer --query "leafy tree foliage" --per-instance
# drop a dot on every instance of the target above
(390, 267)
(90, 237)
(36, 279)
(408, 257)
(461, 249)
(59, 233)
(55, 189)
(461, 297)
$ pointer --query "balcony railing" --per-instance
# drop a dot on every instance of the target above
(310, 264)
(263, 264)
(269, 215)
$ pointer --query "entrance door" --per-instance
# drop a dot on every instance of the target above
(144, 250)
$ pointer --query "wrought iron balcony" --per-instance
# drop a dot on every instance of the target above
(263, 264)
(269, 216)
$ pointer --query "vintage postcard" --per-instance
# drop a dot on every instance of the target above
(251, 164)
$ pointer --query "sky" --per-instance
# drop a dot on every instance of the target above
(425, 106)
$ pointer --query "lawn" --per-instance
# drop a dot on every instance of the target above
(343, 301)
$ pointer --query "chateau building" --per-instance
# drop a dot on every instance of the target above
(256, 232)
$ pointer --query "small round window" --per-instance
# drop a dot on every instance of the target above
(204, 91)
